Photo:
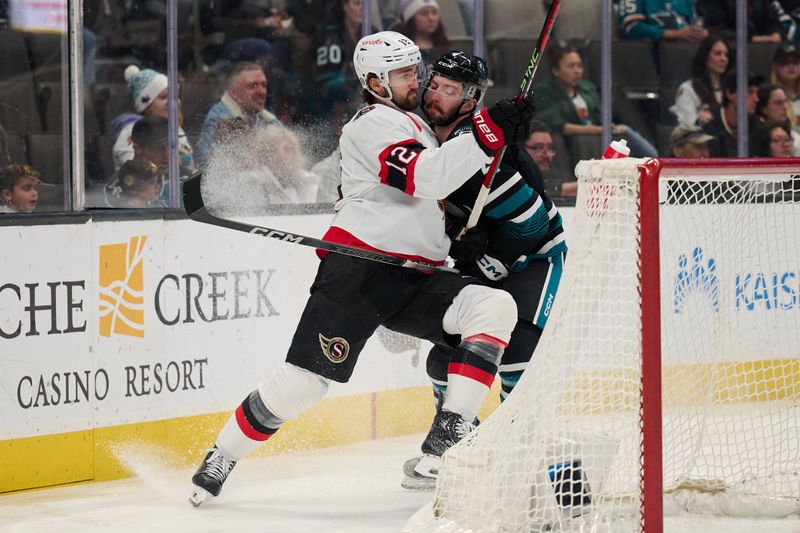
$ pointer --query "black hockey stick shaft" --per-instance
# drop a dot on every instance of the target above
(524, 89)
(196, 209)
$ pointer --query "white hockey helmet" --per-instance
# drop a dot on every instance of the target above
(382, 52)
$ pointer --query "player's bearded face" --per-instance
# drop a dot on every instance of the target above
(443, 98)
(404, 83)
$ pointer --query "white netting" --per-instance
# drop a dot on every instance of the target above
(563, 453)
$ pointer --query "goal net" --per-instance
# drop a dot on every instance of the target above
(668, 376)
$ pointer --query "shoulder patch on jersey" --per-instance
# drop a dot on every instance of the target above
(461, 131)
(363, 111)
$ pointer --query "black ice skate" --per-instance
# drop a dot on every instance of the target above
(447, 429)
(210, 476)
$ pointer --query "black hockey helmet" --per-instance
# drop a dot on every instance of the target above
(468, 69)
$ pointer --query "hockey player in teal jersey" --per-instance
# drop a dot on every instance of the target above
(518, 244)
(659, 19)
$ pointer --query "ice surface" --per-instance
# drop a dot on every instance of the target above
(349, 489)
(352, 489)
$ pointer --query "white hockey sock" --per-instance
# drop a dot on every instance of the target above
(464, 396)
(470, 374)
(249, 425)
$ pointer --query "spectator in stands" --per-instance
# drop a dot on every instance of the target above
(306, 14)
(570, 105)
(334, 82)
(771, 139)
(773, 106)
(539, 146)
(673, 20)
(724, 122)
(19, 189)
(786, 74)
(698, 98)
(689, 141)
(139, 183)
(280, 150)
(148, 91)
(767, 21)
(257, 169)
(423, 25)
(151, 143)
(244, 99)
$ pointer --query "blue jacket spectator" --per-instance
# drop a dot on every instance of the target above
(241, 107)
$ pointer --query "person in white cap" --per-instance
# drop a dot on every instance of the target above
(148, 91)
(394, 174)
(423, 24)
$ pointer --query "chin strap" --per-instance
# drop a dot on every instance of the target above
(385, 99)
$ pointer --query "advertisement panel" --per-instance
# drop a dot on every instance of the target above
(730, 281)
(48, 377)
(150, 320)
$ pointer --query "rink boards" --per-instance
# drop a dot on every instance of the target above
(149, 332)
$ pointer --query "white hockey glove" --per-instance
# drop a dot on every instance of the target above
(491, 268)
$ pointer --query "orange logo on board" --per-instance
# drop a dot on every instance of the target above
(121, 291)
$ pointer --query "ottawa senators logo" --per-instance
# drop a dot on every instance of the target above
(336, 349)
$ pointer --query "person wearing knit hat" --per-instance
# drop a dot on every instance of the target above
(409, 8)
(423, 25)
(148, 92)
(144, 86)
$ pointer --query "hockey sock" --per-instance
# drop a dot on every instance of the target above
(436, 367)
(518, 354)
(439, 392)
(470, 374)
(250, 425)
(508, 380)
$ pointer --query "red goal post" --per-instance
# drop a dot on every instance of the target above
(668, 378)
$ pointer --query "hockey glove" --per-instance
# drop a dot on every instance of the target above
(493, 269)
(485, 267)
(508, 122)
(471, 246)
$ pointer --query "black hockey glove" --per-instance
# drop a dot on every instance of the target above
(471, 246)
(507, 122)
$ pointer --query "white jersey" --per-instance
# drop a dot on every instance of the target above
(393, 176)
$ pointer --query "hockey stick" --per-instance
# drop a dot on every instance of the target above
(524, 89)
(197, 210)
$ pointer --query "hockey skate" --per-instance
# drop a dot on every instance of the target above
(210, 476)
(447, 429)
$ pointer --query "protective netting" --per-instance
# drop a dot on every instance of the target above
(564, 452)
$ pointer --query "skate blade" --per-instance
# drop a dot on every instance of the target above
(418, 483)
(410, 465)
(428, 466)
(199, 495)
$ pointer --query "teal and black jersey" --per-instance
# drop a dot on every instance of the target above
(522, 221)
(647, 19)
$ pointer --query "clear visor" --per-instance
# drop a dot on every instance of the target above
(449, 87)
(407, 75)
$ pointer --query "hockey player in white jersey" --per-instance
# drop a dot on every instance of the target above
(393, 176)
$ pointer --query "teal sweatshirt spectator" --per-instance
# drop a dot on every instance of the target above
(658, 19)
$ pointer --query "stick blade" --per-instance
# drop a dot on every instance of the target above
(192, 196)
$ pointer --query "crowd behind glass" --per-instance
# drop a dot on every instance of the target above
(266, 86)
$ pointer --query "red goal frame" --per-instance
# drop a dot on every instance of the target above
(650, 290)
